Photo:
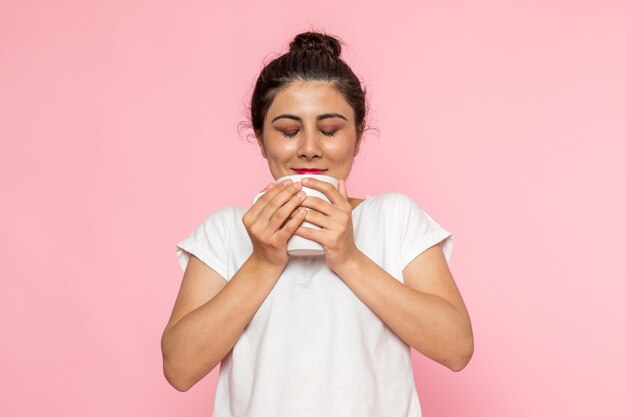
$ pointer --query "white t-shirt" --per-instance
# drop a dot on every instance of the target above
(313, 348)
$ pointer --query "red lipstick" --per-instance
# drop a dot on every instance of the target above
(313, 171)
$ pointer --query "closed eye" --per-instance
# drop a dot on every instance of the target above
(295, 132)
(290, 134)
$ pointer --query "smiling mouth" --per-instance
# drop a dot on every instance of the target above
(309, 171)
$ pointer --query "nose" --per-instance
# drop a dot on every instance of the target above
(309, 146)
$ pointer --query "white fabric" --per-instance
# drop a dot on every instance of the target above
(313, 349)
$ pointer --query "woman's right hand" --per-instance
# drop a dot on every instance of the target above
(265, 221)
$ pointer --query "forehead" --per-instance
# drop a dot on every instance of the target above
(309, 98)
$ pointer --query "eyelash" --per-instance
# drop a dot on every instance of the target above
(292, 134)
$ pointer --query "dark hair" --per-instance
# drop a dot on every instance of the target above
(312, 56)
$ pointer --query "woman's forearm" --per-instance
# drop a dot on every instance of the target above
(426, 322)
(201, 339)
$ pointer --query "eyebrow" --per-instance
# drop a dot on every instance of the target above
(320, 117)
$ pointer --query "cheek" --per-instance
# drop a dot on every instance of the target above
(341, 151)
(280, 150)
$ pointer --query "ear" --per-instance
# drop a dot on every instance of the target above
(259, 139)
(358, 142)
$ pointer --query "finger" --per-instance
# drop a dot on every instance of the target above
(260, 202)
(324, 187)
(319, 219)
(273, 206)
(310, 233)
(263, 192)
(292, 225)
(319, 205)
(266, 206)
(283, 214)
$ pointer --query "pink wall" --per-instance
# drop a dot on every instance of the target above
(118, 126)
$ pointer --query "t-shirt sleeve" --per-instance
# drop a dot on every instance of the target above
(420, 231)
(207, 242)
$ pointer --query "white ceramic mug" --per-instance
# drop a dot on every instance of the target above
(297, 245)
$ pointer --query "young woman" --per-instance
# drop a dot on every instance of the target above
(314, 336)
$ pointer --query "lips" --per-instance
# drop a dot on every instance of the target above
(312, 171)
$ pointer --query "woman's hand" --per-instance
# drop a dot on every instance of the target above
(272, 220)
(336, 235)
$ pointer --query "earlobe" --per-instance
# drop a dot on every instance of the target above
(358, 147)
(358, 139)
(259, 140)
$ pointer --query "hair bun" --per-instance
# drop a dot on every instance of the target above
(317, 42)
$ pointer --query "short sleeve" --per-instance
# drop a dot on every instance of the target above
(208, 242)
(420, 231)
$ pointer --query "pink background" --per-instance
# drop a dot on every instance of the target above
(118, 125)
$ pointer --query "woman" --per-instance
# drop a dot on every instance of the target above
(314, 336)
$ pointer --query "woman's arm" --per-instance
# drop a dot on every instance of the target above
(209, 316)
(427, 311)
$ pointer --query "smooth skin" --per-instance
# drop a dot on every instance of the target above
(311, 125)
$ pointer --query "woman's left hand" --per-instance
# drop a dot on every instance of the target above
(336, 235)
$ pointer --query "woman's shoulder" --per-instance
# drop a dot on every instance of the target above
(391, 198)
(223, 216)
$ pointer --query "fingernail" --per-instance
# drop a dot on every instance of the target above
(305, 180)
